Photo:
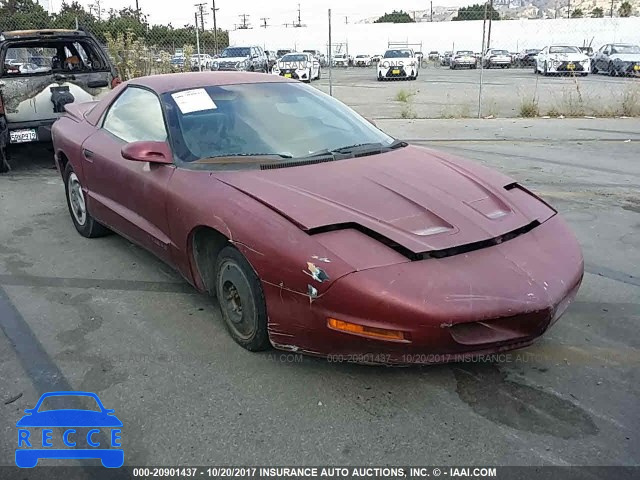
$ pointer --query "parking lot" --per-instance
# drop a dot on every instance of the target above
(105, 316)
(440, 92)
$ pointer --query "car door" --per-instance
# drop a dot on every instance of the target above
(126, 195)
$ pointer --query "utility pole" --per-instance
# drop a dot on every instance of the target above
(244, 25)
(346, 20)
(490, 21)
(568, 8)
(197, 45)
(215, 29)
(264, 22)
(137, 11)
(431, 17)
(611, 8)
(299, 24)
(201, 7)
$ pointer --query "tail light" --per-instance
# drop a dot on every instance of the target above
(115, 82)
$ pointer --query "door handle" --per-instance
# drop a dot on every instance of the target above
(88, 154)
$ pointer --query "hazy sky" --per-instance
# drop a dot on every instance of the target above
(278, 11)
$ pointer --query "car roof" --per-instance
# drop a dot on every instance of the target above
(172, 82)
(17, 34)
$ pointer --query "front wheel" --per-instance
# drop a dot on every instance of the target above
(85, 224)
(241, 299)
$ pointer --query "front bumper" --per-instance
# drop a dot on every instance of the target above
(397, 72)
(627, 68)
(446, 307)
(567, 66)
(302, 75)
(464, 63)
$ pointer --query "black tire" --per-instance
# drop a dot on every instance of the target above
(535, 68)
(545, 71)
(241, 300)
(594, 69)
(86, 225)
(611, 70)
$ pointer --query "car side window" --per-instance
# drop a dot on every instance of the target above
(135, 116)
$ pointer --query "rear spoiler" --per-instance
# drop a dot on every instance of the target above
(76, 111)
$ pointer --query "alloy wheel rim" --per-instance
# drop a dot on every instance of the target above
(76, 199)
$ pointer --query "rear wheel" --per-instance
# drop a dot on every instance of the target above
(241, 299)
(611, 70)
(85, 224)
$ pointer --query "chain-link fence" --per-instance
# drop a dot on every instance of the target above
(135, 46)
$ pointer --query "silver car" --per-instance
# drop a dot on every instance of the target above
(617, 59)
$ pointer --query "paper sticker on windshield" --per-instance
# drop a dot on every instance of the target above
(195, 100)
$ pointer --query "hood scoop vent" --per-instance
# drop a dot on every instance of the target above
(447, 252)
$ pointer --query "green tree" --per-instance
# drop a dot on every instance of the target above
(22, 15)
(476, 12)
(397, 16)
(597, 12)
(577, 13)
(625, 9)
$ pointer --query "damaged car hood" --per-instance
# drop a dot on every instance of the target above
(419, 200)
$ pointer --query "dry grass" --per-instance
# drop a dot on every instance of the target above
(404, 96)
(529, 108)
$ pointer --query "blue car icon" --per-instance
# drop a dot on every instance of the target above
(29, 452)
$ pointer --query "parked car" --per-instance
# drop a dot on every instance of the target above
(398, 63)
(376, 58)
(48, 70)
(300, 66)
(221, 181)
(445, 61)
(362, 61)
(556, 59)
(463, 58)
(434, 55)
(243, 59)
(420, 56)
(527, 58)
(617, 59)
(203, 61)
(497, 58)
(340, 60)
(177, 63)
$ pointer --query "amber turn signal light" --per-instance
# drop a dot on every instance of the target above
(354, 328)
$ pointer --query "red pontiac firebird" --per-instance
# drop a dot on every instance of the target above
(317, 232)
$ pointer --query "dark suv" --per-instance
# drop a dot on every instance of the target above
(243, 59)
(40, 72)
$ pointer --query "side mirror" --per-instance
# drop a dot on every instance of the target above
(152, 152)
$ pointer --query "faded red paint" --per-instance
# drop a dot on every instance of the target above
(485, 300)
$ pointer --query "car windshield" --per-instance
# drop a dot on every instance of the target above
(625, 49)
(285, 120)
(362, 56)
(564, 50)
(464, 52)
(499, 52)
(232, 52)
(295, 57)
(397, 54)
(66, 402)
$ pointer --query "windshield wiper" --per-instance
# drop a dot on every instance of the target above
(350, 148)
(224, 155)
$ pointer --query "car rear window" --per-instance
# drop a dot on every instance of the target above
(36, 57)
